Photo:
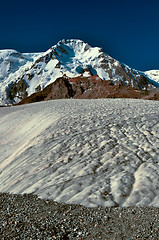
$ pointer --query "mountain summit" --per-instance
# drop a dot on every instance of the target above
(24, 74)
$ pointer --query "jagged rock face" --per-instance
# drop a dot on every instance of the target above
(18, 88)
(87, 88)
(69, 58)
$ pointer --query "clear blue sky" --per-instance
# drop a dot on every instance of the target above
(128, 30)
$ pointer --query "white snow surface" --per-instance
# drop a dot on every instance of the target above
(102, 152)
(153, 74)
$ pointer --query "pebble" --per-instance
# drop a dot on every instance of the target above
(28, 217)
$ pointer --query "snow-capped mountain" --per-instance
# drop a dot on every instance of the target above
(22, 74)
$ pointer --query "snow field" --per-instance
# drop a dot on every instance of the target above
(91, 152)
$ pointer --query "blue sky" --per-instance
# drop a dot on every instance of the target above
(126, 30)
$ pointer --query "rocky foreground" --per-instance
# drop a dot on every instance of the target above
(28, 217)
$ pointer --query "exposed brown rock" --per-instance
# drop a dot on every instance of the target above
(154, 95)
(88, 88)
(61, 88)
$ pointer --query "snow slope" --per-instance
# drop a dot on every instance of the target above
(92, 152)
(24, 74)
(12, 66)
(153, 75)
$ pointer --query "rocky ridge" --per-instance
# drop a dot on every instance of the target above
(88, 88)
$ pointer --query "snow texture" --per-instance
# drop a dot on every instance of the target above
(101, 152)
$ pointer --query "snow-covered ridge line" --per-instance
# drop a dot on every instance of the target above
(22, 74)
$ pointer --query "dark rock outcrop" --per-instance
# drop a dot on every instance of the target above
(18, 89)
(88, 88)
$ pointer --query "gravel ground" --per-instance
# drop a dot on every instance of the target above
(28, 217)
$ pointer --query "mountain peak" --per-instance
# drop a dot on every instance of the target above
(24, 74)
(71, 42)
(71, 45)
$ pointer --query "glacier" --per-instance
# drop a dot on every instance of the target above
(102, 152)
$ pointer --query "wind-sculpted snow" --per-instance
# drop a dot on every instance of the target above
(91, 152)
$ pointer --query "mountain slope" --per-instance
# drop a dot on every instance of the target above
(87, 88)
(69, 58)
(12, 65)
